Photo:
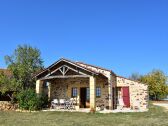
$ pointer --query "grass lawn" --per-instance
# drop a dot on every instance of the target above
(155, 117)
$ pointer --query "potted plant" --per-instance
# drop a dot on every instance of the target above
(92, 110)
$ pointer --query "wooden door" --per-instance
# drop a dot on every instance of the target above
(126, 96)
(82, 97)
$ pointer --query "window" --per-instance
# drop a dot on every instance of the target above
(45, 84)
(87, 94)
(98, 91)
(74, 92)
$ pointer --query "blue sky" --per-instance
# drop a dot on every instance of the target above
(123, 35)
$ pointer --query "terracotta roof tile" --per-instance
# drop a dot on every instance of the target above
(7, 72)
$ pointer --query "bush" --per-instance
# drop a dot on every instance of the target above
(29, 100)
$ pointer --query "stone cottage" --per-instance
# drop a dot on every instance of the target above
(91, 86)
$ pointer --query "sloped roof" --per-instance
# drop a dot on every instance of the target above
(78, 64)
(6, 72)
(75, 63)
(81, 63)
(69, 61)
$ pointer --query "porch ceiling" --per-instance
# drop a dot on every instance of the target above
(67, 76)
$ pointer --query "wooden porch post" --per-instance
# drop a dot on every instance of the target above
(49, 90)
(110, 92)
(92, 83)
(39, 86)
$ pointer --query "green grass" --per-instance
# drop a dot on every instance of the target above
(156, 116)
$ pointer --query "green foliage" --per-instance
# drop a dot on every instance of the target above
(157, 82)
(24, 63)
(135, 76)
(29, 100)
(7, 83)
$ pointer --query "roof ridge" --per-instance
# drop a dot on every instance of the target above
(67, 60)
(77, 64)
(6, 72)
(4, 69)
(129, 79)
(98, 67)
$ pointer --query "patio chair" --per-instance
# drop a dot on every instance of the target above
(121, 103)
(136, 105)
(54, 103)
(73, 102)
(62, 103)
(69, 104)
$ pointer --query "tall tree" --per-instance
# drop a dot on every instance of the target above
(24, 63)
(135, 76)
(5, 83)
(157, 82)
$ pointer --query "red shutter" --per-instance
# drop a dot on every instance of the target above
(126, 97)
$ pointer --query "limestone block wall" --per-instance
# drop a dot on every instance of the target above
(114, 95)
(39, 86)
(138, 92)
(102, 101)
(7, 105)
(62, 88)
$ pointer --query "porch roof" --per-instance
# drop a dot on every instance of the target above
(42, 74)
(68, 76)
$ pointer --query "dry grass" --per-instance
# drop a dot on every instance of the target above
(155, 117)
(161, 101)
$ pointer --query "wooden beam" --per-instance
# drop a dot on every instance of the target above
(64, 71)
(68, 76)
(66, 61)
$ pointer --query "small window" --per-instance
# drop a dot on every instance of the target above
(74, 92)
(45, 84)
(98, 91)
(87, 94)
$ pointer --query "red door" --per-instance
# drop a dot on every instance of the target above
(126, 97)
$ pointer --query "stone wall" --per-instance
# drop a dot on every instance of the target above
(6, 105)
(102, 101)
(103, 71)
(61, 89)
(114, 96)
(138, 92)
(111, 83)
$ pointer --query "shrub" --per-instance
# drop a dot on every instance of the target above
(29, 100)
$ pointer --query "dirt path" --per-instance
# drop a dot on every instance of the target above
(165, 105)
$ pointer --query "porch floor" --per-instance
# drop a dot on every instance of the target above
(87, 110)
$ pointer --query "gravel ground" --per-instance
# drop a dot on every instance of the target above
(165, 105)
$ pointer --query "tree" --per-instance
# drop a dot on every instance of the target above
(157, 82)
(135, 76)
(5, 83)
(7, 86)
(29, 100)
(23, 64)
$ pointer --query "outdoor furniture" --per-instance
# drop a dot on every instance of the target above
(136, 105)
(62, 103)
(55, 103)
(69, 104)
(73, 102)
(121, 103)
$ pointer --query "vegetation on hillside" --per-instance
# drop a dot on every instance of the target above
(24, 63)
(156, 81)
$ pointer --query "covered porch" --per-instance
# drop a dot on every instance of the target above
(80, 88)
(67, 80)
